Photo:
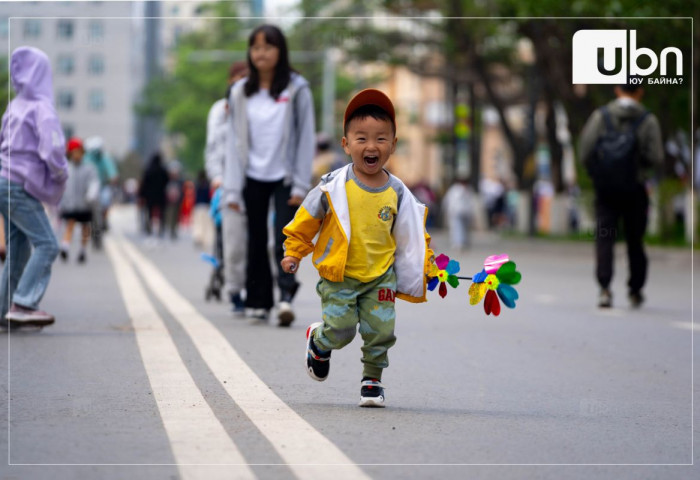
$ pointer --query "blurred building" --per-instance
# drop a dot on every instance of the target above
(421, 113)
(93, 47)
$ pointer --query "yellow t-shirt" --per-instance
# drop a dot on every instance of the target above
(372, 213)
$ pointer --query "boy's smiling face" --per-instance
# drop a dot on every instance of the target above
(370, 143)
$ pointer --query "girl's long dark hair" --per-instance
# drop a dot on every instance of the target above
(283, 71)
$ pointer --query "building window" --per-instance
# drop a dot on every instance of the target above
(96, 65)
(65, 29)
(96, 100)
(96, 30)
(32, 28)
(4, 27)
(65, 100)
(65, 64)
(68, 130)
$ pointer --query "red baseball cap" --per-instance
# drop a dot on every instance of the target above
(370, 96)
(74, 143)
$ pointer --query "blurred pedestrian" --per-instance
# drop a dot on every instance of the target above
(189, 197)
(233, 225)
(3, 242)
(493, 195)
(372, 246)
(620, 146)
(427, 197)
(458, 205)
(109, 176)
(202, 226)
(34, 170)
(152, 193)
(174, 194)
(270, 154)
(81, 193)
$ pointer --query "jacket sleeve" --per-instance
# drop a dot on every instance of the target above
(651, 144)
(589, 136)
(234, 165)
(305, 225)
(214, 151)
(111, 167)
(93, 185)
(305, 142)
(52, 145)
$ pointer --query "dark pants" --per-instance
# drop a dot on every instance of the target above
(256, 196)
(155, 210)
(633, 210)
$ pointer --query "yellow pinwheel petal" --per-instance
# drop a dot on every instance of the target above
(476, 293)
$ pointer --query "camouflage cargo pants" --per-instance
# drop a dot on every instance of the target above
(371, 305)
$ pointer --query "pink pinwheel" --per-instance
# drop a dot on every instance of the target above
(493, 282)
(446, 274)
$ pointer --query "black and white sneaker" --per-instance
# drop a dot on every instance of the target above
(372, 393)
(605, 298)
(237, 305)
(285, 314)
(636, 299)
(259, 314)
(317, 362)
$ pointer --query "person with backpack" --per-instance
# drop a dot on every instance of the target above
(621, 147)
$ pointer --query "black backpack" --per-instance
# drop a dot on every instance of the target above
(614, 163)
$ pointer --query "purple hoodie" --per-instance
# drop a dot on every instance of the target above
(32, 146)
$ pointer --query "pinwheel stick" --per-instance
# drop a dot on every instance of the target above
(465, 278)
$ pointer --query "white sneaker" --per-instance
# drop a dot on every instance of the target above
(258, 313)
(285, 314)
(25, 316)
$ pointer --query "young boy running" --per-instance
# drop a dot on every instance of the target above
(372, 246)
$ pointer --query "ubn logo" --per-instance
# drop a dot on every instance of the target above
(589, 45)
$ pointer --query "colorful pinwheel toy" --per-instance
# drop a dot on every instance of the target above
(446, 270)
(494, 281)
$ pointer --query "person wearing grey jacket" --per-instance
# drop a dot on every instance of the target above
(77, 204)
(270, 148)
(624, 196)
(234, 234)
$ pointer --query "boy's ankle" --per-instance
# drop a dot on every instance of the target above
(317, 350)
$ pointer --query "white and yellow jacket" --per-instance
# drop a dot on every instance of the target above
(325, 211)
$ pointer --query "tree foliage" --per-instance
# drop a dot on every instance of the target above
(476, 42)
(184, 96)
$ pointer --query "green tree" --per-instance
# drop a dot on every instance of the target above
(4, 80)
(474, 50)
(183, 97)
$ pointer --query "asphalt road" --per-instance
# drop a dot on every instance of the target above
(141, 378)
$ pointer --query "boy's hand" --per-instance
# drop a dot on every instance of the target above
(290, 264)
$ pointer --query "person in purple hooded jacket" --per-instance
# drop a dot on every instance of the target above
(34, 170)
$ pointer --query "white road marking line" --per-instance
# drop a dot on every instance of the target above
(294, 439)
(196, 435)
(686, 326)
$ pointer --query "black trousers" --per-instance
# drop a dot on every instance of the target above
(256, 196)
(151, 209)
(632, 209)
